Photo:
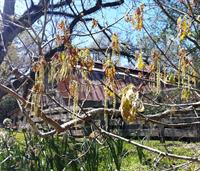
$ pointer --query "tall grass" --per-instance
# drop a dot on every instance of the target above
(27, 152)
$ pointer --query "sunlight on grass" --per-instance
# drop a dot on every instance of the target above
(19, 136)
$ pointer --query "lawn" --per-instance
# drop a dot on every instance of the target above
(34, 152)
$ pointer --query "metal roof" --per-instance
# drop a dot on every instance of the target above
(94, 91)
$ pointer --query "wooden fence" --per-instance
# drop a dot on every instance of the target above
(139, 129)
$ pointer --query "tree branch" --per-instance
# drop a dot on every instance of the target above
(60, 4)
(165, 154)
(61, 13)
(9, 8)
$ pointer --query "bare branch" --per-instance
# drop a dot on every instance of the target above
(161, 153)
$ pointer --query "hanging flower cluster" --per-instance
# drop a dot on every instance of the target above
(109, 69)
(110, 87)
(62, 38)
(186, 74)
(73, 91)
(86, 59)
(115, 44)
(140, 63)
(38, 88)
(183, 25)
(73, 56)
(155, 68)
(63, 65)
(137, 19)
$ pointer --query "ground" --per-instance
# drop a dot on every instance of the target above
(148, 161)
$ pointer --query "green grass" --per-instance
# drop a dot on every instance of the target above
(133, 158)
(132, 162)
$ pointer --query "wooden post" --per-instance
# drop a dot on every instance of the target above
(162, 133)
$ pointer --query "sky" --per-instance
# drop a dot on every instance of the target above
(110, 15)
(124, 30)
(1, 3)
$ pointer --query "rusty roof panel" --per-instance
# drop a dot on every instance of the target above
(95, 91)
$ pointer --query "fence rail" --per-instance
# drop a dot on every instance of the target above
(139, 129)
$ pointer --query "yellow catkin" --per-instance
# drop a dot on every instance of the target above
(140, 62)
(158, 78)
(183, 25)
(194, 77)
(105, 108)
(179, 73)
(115, 44)
(38, 88)
(137, 20)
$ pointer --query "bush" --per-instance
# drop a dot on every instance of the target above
(7, 104)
